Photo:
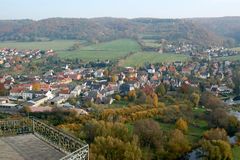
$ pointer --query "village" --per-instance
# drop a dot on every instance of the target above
(76, 88)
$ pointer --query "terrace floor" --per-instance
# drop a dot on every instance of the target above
(27, 147)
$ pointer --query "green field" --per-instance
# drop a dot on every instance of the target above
(236, 152)
(45, 45)
(151, 43)
(103, 51)
(140, 58)
(230, 58)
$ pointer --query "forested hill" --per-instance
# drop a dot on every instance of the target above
(104, 29)
(223, 26)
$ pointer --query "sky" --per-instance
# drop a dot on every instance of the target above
(41, 9)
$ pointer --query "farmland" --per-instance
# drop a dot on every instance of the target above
(141, 58)
(109, 50)
(230, 58)
(44, 45)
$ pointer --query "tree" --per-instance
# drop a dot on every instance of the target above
(106, 73)
(220, 118)
(113, 78)
(178, 144)
(210, 101)
(109, 148)
(3, 91)
(36, 86)
(236, 80)
(132, 95)
(216, 150)
(216, 134)
(149, 132)
(238, 138)
(195, 99)
(155, 100)
(182, 125)
(93, 129)
(148, 100)
(160, 90)
(118, 97)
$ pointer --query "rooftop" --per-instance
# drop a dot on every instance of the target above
(27, 147)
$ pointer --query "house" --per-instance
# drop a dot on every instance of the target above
(178, 63)
(224, 90)
(65, 92)
(4, 100)
(186, 70)
(10, 108)
(36, 102)
(68, 106)
(107, 92)
(98, 74)
(125, 88)
(57, 100)
(172, 69)
(107, 100)
(7, 65)
(97, 87)
(151, 69)
(92, 96)
(204, 75)
(16, 92)
(75, 77)
(76, 91)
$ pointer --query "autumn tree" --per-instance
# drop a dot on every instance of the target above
(177, 145)
(3, 91)
(132, 95)
(113, 78)
(155, 100)
(210, 101)
(182, 125)
(93, 129)
(160, 90)
(220, 118)
(216, 134)
(36, 86)
(238, 138)
(149, 132)
(236, 81)
(106, 73)
(151, 137)
(216, 150)
(118, 97)
(195, 98)
(109, 148)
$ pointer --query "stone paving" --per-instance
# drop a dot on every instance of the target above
(27, 147)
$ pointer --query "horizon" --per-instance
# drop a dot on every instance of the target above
(116, 18)
(160, 9)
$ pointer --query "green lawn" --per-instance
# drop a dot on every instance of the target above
(230, 58)
(103, 51)
(45, 45)
(140, 58)
(236, 152)
(194, 133)
(151, 43)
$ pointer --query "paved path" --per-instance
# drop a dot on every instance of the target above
(27, 147)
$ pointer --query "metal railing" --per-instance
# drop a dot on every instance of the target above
(75, 149)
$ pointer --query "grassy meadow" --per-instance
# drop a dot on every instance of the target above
(109, 50)
(140, 58)
(44, 45)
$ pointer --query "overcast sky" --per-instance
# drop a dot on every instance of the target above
(41, 9)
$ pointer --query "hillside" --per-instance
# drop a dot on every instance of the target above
(229, 27)
(105, 29)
